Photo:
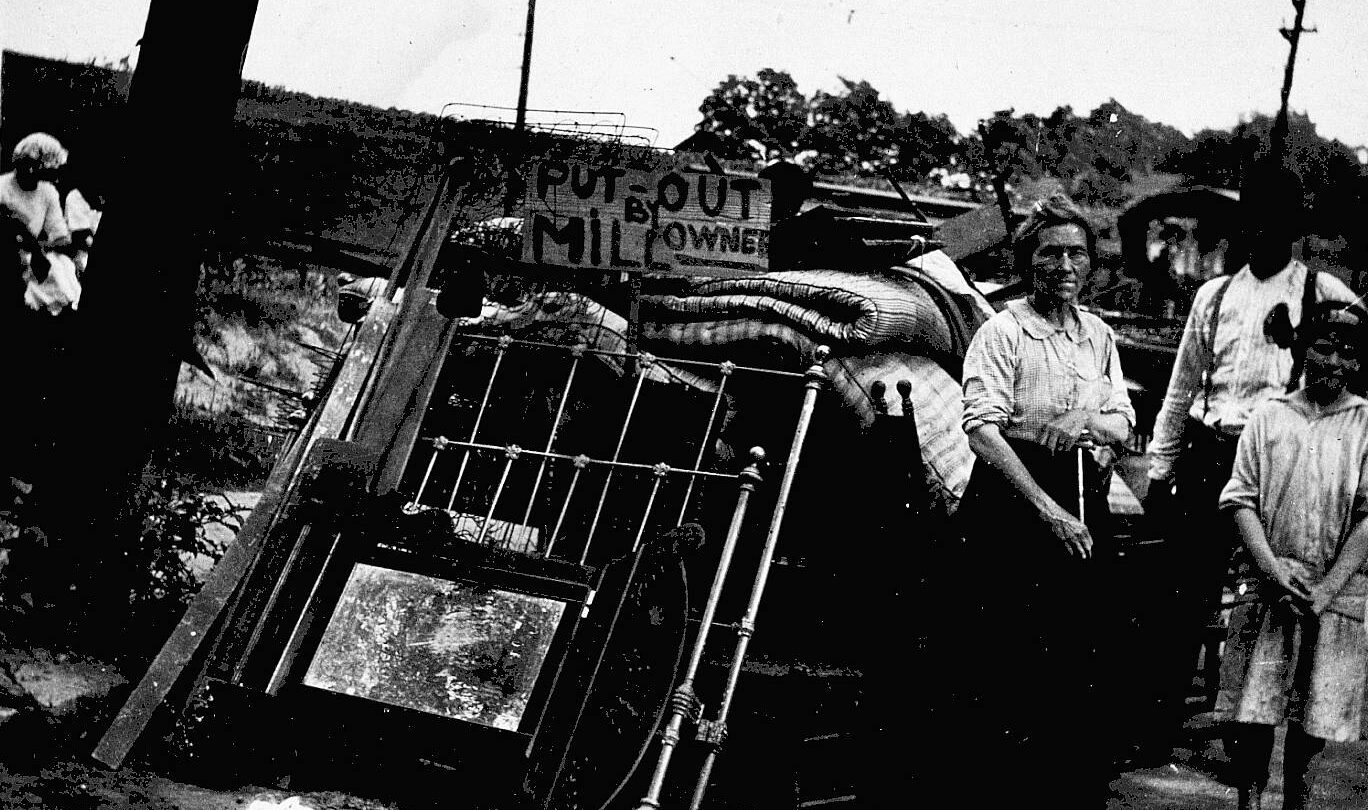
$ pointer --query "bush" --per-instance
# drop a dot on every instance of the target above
(174, 542)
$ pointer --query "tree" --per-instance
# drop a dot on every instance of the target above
(768, 109)
(925, 142)
(1060, 130)
(1330, 170)
(854, 131)
(1010, 144)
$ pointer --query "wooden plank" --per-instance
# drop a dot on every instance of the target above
(972, 232)
(419, 303)
(392, 421)
(666, 222)
(238, 561)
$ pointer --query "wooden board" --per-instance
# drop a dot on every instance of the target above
(972, 232)
(666, 222)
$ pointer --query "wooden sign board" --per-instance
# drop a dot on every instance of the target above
(667, 222)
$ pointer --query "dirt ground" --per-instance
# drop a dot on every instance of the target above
(53, 707)
(1196, 778)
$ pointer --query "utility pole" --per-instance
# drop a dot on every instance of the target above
(520, 123)
(1281, 126)
(526, 66)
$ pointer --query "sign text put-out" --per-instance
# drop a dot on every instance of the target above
(666, 222)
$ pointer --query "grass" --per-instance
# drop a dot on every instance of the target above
(218, 449)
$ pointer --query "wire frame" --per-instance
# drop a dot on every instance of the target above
(487, 156)
(547, 447)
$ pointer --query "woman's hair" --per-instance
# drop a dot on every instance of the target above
(42, 149)
(1054, 210)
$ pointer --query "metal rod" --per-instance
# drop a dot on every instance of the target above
(673, 361)
(726, 370)
(622, 439)
(1081, 517)
(577, 353)
(438, 445)
(633, 465)
(660, 471)
(504, 343)
(512, 451)
(816, 377)
(750, 478)
(580, 463)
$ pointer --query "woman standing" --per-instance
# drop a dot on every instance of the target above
(27, 192)
(1043, 399)
(39, 283)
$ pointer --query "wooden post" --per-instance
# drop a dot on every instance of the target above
(526, 66)
(138, 306)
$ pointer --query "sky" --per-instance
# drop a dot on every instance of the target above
(1191, 64)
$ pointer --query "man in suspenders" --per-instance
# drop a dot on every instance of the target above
(1239, 349)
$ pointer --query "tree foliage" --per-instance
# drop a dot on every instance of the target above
(926, 142)
(744, 112)
(1094, 156)
(1334, 181)
(855, 131)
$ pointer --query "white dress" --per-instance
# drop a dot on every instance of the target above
(1304, 471)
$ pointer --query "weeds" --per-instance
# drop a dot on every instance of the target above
(217, 450)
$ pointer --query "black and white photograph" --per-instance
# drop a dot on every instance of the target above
(609, 405)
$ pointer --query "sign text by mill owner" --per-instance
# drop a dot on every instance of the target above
(667, 222)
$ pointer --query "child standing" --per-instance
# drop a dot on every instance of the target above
(1299, 495)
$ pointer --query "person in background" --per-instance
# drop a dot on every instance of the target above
(1238, 350)
(82, 211)
(1298, 496)
(40, 283)
(28, 193)
(1044, 397)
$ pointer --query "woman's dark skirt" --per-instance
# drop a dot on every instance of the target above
(1027, 660)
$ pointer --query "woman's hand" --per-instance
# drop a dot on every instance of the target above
(1321, 597)
(1062, 432)
(1069, 529)
(1290, 580)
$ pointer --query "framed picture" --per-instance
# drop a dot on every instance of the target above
(451, 647)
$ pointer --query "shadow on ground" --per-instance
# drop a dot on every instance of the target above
(55, 704)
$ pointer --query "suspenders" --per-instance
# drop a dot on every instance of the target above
(1210, 374)
(1298, 347)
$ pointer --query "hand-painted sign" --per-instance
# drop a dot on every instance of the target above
(667, 222)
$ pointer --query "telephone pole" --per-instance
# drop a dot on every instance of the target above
(526, 66)
(1293, 36)
(520, 123)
